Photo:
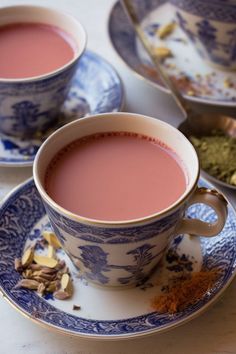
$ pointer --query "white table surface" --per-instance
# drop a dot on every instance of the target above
(212, 332)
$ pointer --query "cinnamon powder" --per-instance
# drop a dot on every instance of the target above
(185, 291)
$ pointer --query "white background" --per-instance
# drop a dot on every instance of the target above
(213, 332)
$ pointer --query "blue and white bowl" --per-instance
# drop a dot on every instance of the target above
(211, 25)
(31, 105)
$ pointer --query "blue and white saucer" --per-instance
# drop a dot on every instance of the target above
(198, 81)
(109, 313)
(96, 88)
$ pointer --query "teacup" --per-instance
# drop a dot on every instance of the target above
(123, 253)
(211, 26)
(31, 105)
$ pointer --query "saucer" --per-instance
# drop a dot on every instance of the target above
(197, 80)
(109, 313)
(96, 88)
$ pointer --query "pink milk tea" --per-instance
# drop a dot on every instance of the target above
(115, 176)
(32, 49)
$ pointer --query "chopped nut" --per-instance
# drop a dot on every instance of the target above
(45, 261)
(162, 52)
(66, 284)
(76, 307)
(28, 284)
(27, 257)
(166, 30)
(61, 295)
(52, 239)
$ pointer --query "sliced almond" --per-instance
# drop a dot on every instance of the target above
(61, 295)
(166, 30)
(52, 239)
(27, 257)
(51, 251)
(45, 261)
(66, 284)
(28, 284)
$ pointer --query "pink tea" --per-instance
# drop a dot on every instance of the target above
(32, 49)
(115, 176)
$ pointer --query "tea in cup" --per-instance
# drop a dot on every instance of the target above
(116, 187)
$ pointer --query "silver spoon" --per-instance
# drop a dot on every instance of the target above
(195, 123)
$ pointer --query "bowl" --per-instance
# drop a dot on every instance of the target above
(204, 125)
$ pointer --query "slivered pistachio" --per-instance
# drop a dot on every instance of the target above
(28, 284)
(45, 261)
(18, 265)
(166, 30)
(27, 257)
(51, 238)
(61, 295)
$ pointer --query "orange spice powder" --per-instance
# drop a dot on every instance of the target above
(185, 291)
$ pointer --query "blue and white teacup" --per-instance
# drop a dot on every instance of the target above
(211, 25)
(123, 253)
(31, 105)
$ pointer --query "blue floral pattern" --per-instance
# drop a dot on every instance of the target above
(111, 235)
(213, 10)
(20, 215)
(212, 29)
(192, 72)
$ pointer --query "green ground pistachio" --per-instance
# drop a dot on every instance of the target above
(217, 155)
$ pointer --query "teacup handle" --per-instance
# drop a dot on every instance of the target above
(196, 227)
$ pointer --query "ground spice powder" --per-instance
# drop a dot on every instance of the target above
(185, 291)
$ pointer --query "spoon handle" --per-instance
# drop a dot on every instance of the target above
(181, 102)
